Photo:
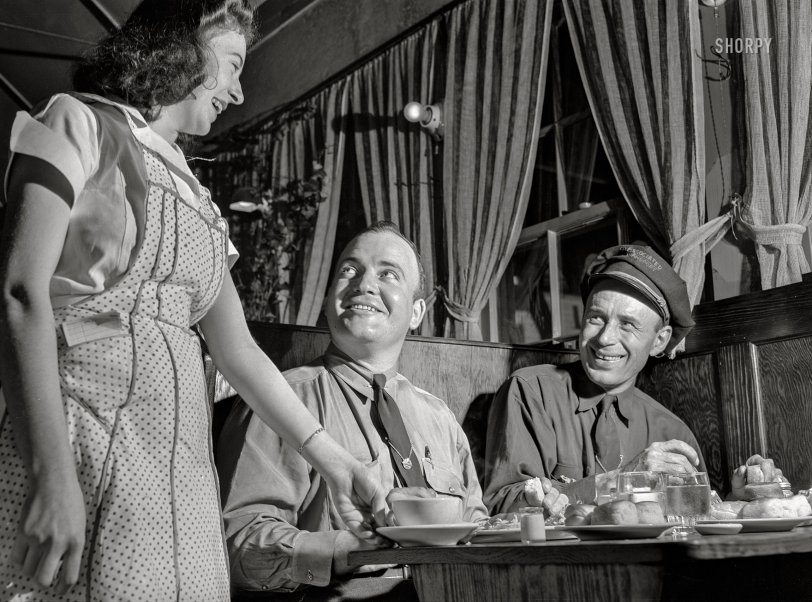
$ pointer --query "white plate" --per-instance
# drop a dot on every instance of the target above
(429, 535)
(718, 528)
(760, 525)
(552, 532)
(590, 532)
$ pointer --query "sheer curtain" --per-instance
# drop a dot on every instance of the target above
(778, 117)
(644, 83)
(394, 157)
(494, 86)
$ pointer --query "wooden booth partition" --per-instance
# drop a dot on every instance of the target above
(464, 374)
(743, 386)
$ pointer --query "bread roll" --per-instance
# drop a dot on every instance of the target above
(619, 512)
(774, 507)
(726, 510)
(650, 513)
(578, 514)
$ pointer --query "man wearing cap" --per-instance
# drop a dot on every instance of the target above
(579, 424)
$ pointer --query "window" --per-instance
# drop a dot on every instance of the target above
(574, 212)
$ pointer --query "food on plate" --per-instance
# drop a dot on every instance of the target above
(619, 512)
(506, 520)
(726, 510)
(775, 507)
(649, 513)
(578, 514)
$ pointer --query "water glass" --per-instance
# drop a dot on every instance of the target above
(642, 486)
(687, 498)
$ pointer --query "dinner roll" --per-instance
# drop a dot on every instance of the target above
(578, 514)
(619, 512)
(775, 507)
(650, 513)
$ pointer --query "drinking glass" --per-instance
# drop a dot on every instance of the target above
(687, 498)
(605, 489)
(642, 486)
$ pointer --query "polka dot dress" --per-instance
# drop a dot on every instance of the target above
(139, 421)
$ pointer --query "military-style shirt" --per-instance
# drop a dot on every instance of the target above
(281, 526)
(541, 425)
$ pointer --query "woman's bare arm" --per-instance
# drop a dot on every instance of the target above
(53, 524)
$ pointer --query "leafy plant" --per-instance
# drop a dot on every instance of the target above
(271, 227)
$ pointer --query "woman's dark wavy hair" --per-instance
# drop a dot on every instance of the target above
(159, 56)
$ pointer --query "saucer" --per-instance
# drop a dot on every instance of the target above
(761, 525)
(429, 535)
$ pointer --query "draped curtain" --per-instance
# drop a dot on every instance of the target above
(394, 157)
(495, 74)
(778, 119)
(638, 64)
(331, 110)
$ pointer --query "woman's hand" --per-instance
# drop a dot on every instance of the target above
(358, 497)
(51, 536)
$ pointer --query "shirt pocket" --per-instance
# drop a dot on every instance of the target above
(566, 472)
(442, 478)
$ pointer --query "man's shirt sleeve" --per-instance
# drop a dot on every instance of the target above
(270, 488)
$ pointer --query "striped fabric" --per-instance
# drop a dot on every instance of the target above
(394, 157)
(644, 82)
(778, 117)
(494, 89)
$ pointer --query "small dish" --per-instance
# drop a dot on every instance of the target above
(718, 528)
(429, 535)
(761, 525)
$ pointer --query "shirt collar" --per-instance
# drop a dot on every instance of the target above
(590, 395)
(150, 138)
(351, 372)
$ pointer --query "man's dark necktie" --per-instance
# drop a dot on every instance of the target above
(387, 419)
(607, 440)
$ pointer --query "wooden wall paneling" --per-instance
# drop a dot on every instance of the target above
(689, 387)
(785, 374)
(761, 317)
(464, 374)
(290, 346)
(740, 399)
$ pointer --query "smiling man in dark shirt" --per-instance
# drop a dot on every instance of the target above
(580, 423)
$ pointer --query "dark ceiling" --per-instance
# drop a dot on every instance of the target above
(41, 39)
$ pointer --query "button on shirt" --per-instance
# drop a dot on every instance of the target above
(541, 425)
(280, 524)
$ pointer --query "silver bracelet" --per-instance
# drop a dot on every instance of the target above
(313, 434)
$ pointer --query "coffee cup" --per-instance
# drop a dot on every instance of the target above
(440, 510)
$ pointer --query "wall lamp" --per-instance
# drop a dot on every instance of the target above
(428, 116)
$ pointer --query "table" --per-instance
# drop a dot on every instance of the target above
(750, 566)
